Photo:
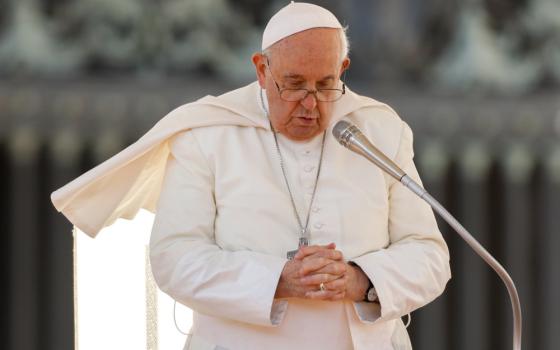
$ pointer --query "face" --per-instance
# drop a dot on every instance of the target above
(306, 60)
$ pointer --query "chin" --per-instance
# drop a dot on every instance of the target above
(303, 135)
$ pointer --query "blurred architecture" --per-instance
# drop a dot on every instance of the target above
(477, 80)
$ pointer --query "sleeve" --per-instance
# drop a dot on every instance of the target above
(414, 269)
(187, 263)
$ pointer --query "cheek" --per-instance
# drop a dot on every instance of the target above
(280, 113)
(285, 110)
(325, 110)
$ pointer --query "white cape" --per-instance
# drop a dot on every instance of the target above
(132, 179)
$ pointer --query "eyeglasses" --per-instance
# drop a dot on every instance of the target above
(294, 95)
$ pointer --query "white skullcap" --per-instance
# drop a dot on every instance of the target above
(294, 18)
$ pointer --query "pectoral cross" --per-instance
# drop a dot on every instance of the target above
(303, 241)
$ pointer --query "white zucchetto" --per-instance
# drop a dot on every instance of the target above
(294, 18)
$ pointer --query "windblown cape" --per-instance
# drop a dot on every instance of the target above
(132, 179)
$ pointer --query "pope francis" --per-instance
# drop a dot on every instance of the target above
(272, 233)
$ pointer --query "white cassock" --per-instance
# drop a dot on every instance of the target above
(224, 222)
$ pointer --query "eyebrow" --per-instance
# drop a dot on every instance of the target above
(293, 76)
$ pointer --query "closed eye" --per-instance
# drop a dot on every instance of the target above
(295, 86)
(327, 83)
(295, 83)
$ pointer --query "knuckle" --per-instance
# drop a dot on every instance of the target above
(338, 269)
(334, 285)
(340, 283)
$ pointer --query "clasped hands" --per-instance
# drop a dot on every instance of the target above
(315, 265)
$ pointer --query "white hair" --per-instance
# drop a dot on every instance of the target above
(344, 45)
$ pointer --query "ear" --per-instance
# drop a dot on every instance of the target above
(259, 61)
(345, 65)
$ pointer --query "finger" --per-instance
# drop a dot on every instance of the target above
(312, 249)
(332, 254)
(313, 264)
(339, 284)
(334, 268)
(329, 273)
(318, 279)
(330, 290)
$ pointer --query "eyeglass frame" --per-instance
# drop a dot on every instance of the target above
(314, 92)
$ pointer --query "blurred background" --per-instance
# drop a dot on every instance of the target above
(477, 80)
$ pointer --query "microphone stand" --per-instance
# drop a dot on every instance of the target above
(479, 249)
(351, 137)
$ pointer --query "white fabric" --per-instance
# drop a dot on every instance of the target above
(131, 180)
(224, 224)
(231, 279)
(294, 18)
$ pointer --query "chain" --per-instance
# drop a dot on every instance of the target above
(304, 233)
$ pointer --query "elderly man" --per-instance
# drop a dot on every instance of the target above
(238, 202)
(276, 236)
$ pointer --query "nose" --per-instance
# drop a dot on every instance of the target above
(309, 102)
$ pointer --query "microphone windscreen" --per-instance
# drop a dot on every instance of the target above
(339, 129)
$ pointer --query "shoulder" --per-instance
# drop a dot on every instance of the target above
(211, 111)
(369, 113)
(218, 139)
(382, 125)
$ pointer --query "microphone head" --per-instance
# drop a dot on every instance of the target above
(343, 131)
(339, 128)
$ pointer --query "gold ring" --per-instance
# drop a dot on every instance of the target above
(322, 287)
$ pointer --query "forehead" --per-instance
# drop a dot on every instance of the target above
(313, 52)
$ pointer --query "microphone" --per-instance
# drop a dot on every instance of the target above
(352, 138)
(349, 136)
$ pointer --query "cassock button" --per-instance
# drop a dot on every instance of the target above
(306, 153)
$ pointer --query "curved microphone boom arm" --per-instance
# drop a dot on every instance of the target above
(351, 137)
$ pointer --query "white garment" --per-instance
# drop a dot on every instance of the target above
(132, 179)
(224, 223)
